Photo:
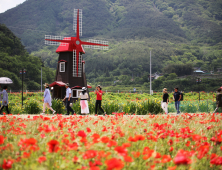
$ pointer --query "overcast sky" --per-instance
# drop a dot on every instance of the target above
(7, 4)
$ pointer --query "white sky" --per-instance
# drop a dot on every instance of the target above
(8, 4)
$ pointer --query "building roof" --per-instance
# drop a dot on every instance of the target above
(57, 83)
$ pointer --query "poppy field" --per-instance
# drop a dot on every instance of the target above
(158, 142)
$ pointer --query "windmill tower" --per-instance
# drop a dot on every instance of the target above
(71, 67)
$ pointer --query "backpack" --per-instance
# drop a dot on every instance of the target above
(181, 97)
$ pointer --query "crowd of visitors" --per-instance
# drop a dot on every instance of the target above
(177, 97)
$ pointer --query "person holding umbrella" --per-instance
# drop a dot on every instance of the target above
(4, 100)
(47, 100)
(0, 98)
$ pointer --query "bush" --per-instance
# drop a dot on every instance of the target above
(58, 106)
(32, 107)
(17, 109)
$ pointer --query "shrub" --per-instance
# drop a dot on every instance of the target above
(32, 107)
(58, 106)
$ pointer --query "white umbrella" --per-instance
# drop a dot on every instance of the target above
(5, 80)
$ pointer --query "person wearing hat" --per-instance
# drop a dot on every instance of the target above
(83, 101)
(165, 102)
(67, 99)
(4, 100)
(47, 100)
(99, 94)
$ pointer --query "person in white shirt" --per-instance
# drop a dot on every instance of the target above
(67, 99)
(47, 100)
(83, 101)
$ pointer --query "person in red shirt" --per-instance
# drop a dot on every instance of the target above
(99, 94)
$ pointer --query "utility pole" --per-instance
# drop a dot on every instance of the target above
(198, 81)
(150, 76)
(22, 72)
(41, 78)
(22, 87)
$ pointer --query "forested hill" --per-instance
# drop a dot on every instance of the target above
(13, 57)
(197, 20)
(177, 32)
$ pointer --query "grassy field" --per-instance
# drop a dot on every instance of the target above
(156, 142)
(131, 103)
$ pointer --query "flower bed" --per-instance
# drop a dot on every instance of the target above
(189, 141)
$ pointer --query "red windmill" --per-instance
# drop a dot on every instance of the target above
(70, 59)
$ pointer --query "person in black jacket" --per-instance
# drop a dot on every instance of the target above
(177, 97)
(218, 100)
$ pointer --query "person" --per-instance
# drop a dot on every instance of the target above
(99, 94)
(218, 100)
(83, 101)
(47, 100)
(4, 100)
(165, 102)
(177, 97)
(0, 97)
(67, 100)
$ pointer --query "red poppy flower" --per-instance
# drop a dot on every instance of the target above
(136, 154)
(2, 139)
(53, 146)
(182, 157)
(90, 154)
(41, 159)
(139, 137)
(75, 159)
(81, 133)
(128, 159)
(166, 158)
(112, 143)
(114, 164)
(121, 150)
(105, 139)
(7, 164)
(88, 130)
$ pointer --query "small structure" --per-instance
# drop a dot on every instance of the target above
(198, 71)
(219, 69)
(71, 67)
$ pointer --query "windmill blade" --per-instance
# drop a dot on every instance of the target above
(97, 44)
(50, 40)
(75, 21)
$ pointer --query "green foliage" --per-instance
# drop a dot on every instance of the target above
(58, 106)
(32, 107)
(14, 58)
(179, 33)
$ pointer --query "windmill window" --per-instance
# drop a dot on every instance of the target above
(76, 93)
(62, 67)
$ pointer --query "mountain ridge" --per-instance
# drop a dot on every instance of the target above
(177, 32)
